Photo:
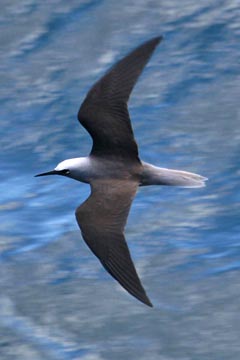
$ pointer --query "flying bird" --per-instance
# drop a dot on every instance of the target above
(114, 170)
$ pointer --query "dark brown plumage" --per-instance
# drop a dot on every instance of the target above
(103, 215)
(104, 112)
(102, 218)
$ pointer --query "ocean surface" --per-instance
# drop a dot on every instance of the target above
(56, 300)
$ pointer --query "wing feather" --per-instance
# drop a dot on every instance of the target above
(102, 218)
(104, 112)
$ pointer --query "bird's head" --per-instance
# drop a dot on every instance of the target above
(71, 168)
(63, 168)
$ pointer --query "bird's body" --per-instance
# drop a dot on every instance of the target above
(113, 168)
(87, 169)
(90, 168)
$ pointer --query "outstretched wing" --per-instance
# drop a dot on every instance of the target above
(102, 218)
(104, 112)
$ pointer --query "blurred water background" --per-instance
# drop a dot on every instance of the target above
(56, 301)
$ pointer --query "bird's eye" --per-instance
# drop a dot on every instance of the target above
(65, 172)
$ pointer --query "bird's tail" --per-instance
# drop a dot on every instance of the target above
(153, 175)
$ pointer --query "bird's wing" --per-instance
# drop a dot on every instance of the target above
(104, 112)
(102, 218)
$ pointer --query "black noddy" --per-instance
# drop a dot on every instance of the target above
(113, 168)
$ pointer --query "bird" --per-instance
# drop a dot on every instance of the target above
(114, 170)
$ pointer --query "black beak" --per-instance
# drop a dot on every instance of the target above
(53, 172)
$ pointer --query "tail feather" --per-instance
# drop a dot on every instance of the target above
(153, 175)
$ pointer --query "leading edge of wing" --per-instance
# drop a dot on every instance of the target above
(102, 218)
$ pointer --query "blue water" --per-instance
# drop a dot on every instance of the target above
(56, 301)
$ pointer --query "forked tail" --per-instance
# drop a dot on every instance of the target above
(153, 175)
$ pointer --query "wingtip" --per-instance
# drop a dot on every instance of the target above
(142, 297)
(157, 39)
(148, 302)
(152, 43)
